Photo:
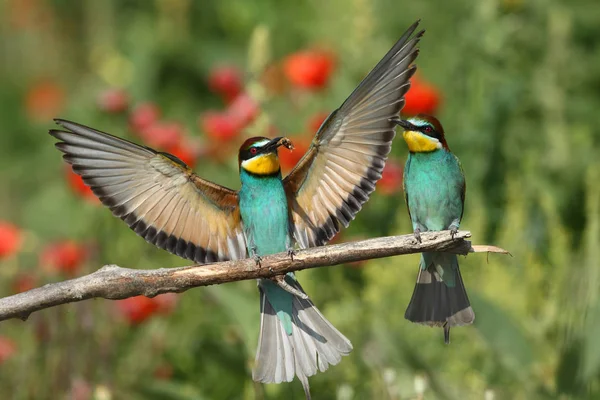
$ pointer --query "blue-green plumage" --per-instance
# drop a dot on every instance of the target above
(295, 339)
(434, 183)
(264, 210)
(434, 186)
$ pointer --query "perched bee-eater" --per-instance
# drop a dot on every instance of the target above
(163, 201)
(434, 188)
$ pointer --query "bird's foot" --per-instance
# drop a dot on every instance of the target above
(417, 233)
(281, 282)
(453, 230)
(257, 260)
(291, 253)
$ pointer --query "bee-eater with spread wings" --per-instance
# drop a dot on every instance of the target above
(166, 203)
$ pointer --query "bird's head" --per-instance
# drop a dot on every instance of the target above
(258, 155)
(423, 134)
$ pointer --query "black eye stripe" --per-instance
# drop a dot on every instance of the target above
(247, 153)
(432, 132)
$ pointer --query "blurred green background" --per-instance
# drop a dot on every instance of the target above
(517, 86)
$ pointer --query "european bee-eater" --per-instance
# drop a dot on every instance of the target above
(434, 188)
(163, 201)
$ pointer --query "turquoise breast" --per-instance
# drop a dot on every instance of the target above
(433, 183)
(264, 210)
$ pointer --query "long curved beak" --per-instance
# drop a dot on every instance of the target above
(404, 124)
(272, 145)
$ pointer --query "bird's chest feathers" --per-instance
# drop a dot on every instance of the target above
(264, 210)
(433, 183)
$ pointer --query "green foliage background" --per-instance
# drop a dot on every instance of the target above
(521, 85)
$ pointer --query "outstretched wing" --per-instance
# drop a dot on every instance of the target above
(156, 194)
(338, 173)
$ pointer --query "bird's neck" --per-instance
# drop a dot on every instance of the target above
(430, 155)
(254, 182)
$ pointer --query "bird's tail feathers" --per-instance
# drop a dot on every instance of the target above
(440, 297)
(313, 345)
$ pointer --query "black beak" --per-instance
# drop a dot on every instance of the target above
(272, 145)
(404, 124)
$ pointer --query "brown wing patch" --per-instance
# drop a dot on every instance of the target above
(156, 194)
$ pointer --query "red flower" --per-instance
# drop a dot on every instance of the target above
(162, 134)
(65, 257)
(422, 98)
(24, 282)
(226, 81)
(7, 349)
(289, 158)
(137, 309)
(219, 125)
(315, 122)
(79, 187)
(143, 116)
(243, 109)
(113, 100)
(10, 239)
(391, 178)
(44, 100)
(166, 302)
(309, 69)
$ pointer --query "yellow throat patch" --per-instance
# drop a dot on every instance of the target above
(419, 143)
(264, 164)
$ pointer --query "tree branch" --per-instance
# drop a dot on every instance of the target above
(114, 282)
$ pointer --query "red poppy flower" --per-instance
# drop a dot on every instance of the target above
(79, 187)
(162, 134)
(243, 110)
(7, 348)
(10, 239)
(391, 178)
(64, 257)
(166, 302)
(44, 100)
(219, 126)
(143, 116)
(309, 69)
(315, 122)
(422, 98)
(226, 81)
(137, 309)
(113, 100)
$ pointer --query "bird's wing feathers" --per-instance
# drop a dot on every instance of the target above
(338, 173)
(156, 194)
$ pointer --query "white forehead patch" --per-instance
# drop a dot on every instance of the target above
(418, 122)
(260, 143)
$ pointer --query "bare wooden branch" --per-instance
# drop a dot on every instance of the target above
(114, 282)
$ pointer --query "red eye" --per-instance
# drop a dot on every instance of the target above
(427, 129)
(253, 150)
